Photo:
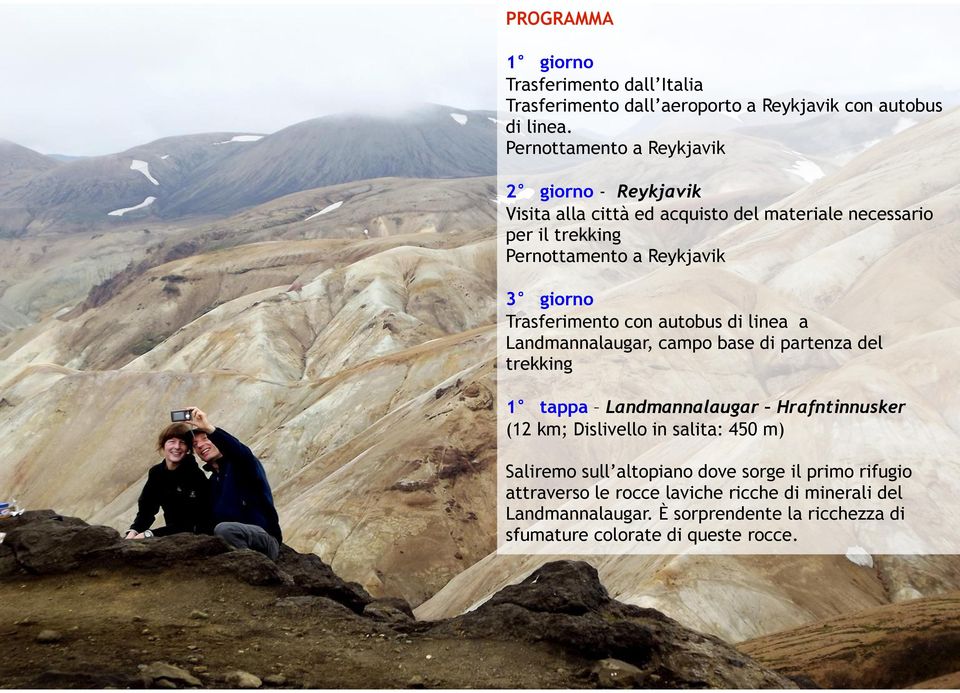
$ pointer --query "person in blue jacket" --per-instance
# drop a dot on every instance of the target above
(241, 501)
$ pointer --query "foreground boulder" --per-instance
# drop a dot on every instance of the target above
(564, 603)
(314, 576)
(42, 542)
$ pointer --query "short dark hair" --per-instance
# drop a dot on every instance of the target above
(183, 431)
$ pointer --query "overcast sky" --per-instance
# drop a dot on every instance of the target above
(85, 80)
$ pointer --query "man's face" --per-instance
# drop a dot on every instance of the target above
(174, 450)
(207, 450)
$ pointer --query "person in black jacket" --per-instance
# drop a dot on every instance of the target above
(177, 485)
(241, 501)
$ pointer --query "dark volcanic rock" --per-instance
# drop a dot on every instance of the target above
(804, 681)
(565, 587)
(30, 516)
(564, 603)
(593, 635)
(315, 605)
(161, 552)
(389, 610)
(251, 567)
(84, 679)
(53, 544)
(44, 542)
(274, 680)
(316, 577)
(8, 561)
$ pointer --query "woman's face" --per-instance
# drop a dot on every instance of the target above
(174, 450)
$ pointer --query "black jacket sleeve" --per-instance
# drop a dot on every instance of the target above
(149, 503)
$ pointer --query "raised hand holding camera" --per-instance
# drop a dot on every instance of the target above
(199, 418)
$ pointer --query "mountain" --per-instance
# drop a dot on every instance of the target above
(65, 274)
(19, 163)
(81, 194)
(221, 173)
(431, 142)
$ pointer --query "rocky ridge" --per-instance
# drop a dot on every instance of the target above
(295, 623)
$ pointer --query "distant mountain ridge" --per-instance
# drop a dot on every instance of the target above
(18, 163)
(220, 173)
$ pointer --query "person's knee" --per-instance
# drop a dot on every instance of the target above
(231, 533)
(272, 549)
(241, 536)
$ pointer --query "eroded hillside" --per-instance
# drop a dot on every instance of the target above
(347, 333)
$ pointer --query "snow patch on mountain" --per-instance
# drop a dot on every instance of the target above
(859, 556)
(120, 212)
(460, 118)
(242, 138)
(144, 168)
(328, 208)
(807, 170)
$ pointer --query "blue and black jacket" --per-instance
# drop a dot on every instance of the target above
(239, 490)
